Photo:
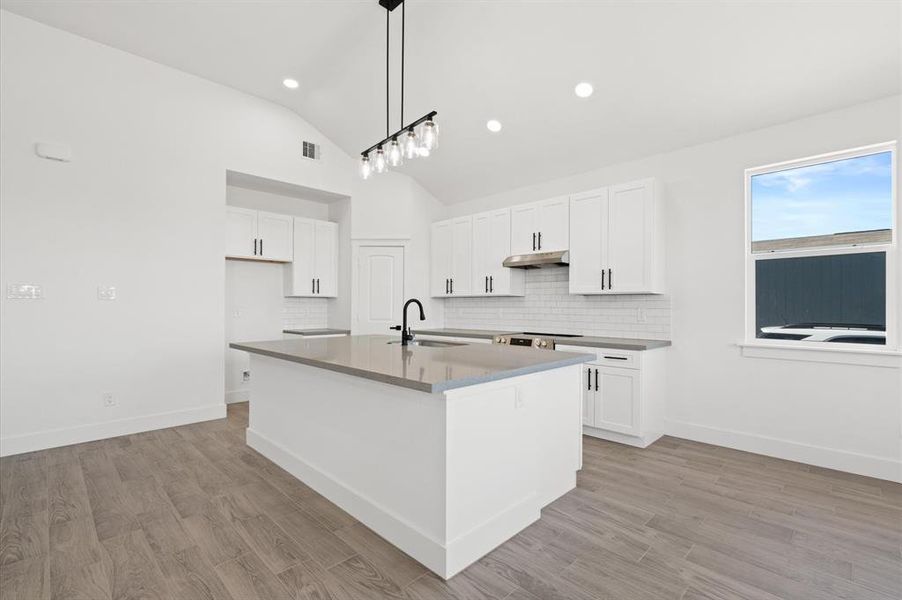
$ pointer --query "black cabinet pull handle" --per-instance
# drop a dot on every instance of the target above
(261, 246)
(596, 380)
(491, 283)
(610, 279)
(589, 379)
(452, 285)
(446, 286)
(602, 279)
(486, 284)
(616, 357)
(540, 240)
(255, 246)
(313, 286)
(317, 285)
(533, 241)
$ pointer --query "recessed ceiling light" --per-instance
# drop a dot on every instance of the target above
(583, 89)
(493, 125)
(291, 84)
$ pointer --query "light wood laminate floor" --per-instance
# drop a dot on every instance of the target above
(192, 512)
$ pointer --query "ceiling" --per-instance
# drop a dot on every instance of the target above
(666, 74)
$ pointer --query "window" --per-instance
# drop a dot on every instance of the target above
(821, 250)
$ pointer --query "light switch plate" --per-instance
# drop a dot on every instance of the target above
(24, 291)
(106, 292)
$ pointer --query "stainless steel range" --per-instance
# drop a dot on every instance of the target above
(532, 339)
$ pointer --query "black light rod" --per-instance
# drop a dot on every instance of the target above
(388, 138)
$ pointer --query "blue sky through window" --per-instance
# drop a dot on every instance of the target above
(853, 194)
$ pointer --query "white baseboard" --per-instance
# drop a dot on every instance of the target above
(830, 458)
(642, 441)
(237, 396)
(54, 438)
(393, 528)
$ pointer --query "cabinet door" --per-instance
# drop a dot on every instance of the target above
(462, 256)
(617, 400)
(241, 232)
(588, 395)
(553, 222)
(300, 278)
(587, 212)
(630, 237)
(482, 253)
(275, 234)
(503, 281)
(325, 262)
(441, 258)
(523, 229)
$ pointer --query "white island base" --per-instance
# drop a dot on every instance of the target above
(446, 477)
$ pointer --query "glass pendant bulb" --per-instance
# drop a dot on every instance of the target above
(366, 169)
(379, 163)
(395, 157)
(429, 135)
(410, 144)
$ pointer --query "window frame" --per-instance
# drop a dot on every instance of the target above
(891, 250)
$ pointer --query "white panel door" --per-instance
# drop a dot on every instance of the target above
(587, 216)
(300, 280)
(461, 256)
(241, 232)
(630, 228)
(553, 223)
(275, 234)
(440, 274)
(617, 400)
(380, 289)
(482, 252)
(523, 229)
(325, 264)
(502, 280)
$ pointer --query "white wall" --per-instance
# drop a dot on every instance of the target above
(139, 207)
(843, 416)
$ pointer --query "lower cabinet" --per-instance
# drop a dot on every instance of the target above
(623, 395)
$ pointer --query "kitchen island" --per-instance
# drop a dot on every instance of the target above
(446, 451)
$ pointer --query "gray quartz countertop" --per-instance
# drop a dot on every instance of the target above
(586, 340)
(318, 331)
(416, 367)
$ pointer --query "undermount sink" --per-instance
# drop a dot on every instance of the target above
(429, 343)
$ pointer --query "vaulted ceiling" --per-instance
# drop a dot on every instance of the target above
(666, 74)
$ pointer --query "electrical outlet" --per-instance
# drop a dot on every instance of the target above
(641, 315)
(245, 376)
(108, 399)
(106, 292)
(24, 291)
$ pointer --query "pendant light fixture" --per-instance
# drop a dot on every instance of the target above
(416, 139)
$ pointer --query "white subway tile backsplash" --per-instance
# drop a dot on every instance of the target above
(548, 306)
(304, 313)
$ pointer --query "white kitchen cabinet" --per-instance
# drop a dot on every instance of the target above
(452, 257)
(623, 394)
(616, 240)
(313, 273)
(258, 235)
(541, 226)
(491, 245)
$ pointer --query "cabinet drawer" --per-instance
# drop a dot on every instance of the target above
(626, 359)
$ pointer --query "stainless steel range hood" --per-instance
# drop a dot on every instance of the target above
(561, 258)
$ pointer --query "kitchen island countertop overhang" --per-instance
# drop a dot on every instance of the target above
(425, 369)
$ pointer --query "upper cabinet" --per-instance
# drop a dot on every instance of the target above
(616, 240)
(258, 235)
(541, 226)
(314, 271)
(491, 245)
(452, 257)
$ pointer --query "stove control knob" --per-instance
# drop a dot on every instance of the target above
(497, 339)
(544, 344)
(503, 340)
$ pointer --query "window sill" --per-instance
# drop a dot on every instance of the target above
(846, 356)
